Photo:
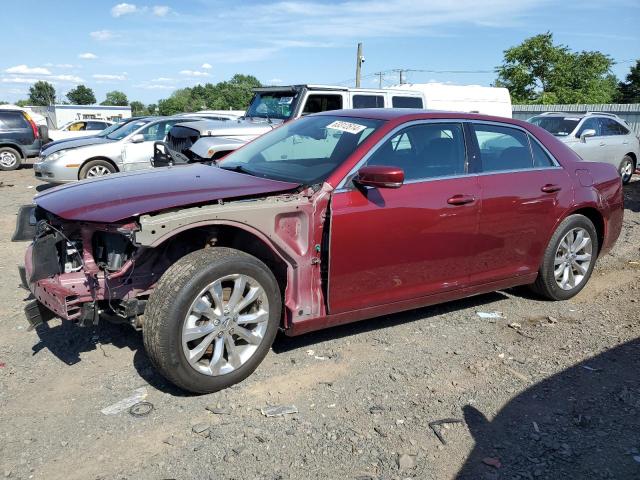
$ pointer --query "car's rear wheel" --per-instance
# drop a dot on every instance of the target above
(10, 158)
(96, 168)
(211, 319)
(627, 166)
(568, 260)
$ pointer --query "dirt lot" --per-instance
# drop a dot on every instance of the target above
(550, 390)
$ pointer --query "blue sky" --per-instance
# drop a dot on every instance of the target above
(149, 49)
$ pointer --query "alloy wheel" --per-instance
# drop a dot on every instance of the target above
(626, 170)
(8, 159)
(573, 258)
(98, 171)
(225, 324)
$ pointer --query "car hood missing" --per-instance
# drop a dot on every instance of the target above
(121, 196)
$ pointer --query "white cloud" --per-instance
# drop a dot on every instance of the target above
(59, 65)
(275, 81)
(160, 10)
(123, 9)
(88, 56)
(26, 70)
(148, 86)
(102, 35)
(193, 73)
(102, 76)
(67, 78)
(162, 79)
(18, 80)
(206, 66)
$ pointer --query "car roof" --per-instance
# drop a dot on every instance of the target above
(408, 114)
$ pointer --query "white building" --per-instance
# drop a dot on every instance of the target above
(59, 115)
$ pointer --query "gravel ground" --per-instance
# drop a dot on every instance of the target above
(550, 390)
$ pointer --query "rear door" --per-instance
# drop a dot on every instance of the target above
(616, 140)
(389, 245)
(521, 187)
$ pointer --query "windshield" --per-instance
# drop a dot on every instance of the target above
(558, 126)
(273, 105)
(110, 128)
(305, 151)
(127, 129)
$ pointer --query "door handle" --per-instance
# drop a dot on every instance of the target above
(602, 144)
(461, 199)
(551, 188)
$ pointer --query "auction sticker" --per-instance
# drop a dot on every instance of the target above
(346, 127)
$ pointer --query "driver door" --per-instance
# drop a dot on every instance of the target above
(393, 244)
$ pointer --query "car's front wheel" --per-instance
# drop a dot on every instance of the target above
(626, 169)
(10, 158)
(96, 168)
(568, 260)
(211, 319)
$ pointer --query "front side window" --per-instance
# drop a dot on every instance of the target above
(406, 102)
(590, 124)
(305, 151)
(502, 148)
(127, 129)
(368, 101)
(423, 151)
(317, 103)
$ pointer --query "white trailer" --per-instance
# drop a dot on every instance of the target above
(59, 115)
(463, 98)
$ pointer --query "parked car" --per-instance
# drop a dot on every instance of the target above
(81, 128)
(127, 148)
(332, 218)
(52, 147)
(19, 138)
(596, 137)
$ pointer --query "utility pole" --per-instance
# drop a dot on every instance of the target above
(359, 62)
(380, 77)
(400, 71)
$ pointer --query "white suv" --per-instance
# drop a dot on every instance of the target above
(596, 137)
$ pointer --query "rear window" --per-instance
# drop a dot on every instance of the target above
(12, 120)
(368, 101)
(406, 102)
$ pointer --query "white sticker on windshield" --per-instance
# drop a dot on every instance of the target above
(346, 127)
(285, 100)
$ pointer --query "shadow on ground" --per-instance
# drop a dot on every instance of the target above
(583, 423)
(632, 195)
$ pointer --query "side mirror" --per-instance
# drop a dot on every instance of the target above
(589, 132)
(137, 138)
(380, 176)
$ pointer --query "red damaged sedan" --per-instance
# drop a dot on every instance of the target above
(333, 218)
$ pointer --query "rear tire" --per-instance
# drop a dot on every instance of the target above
(198, 333)
(564, 270)
(10, 159)
(626, 169)
(95, 169)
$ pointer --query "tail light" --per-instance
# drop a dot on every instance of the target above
(34, 127)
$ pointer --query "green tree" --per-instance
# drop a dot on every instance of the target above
(81, 95)
(23, 103)
(152, 109)
(629, 91)
(2, 102)
(42, 93)
(137, 108)
(116, 98)
(538, 71)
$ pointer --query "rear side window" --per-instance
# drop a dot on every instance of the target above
(322, 103)
(368, 101)
(406, 102)
(502, 148)
(13, 120)
(96, 125)
(611, 127)
(424, 151)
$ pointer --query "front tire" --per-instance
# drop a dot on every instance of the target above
(212, 319)
(626, 168)
(568, 260)
(10, 159)
(96, 168)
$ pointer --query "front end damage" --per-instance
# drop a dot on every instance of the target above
(84, 271)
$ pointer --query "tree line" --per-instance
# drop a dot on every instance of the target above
(538, 71)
